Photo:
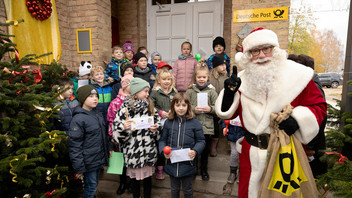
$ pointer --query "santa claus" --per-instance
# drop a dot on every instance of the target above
(268, 82)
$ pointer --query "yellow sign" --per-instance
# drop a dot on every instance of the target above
(265, 14)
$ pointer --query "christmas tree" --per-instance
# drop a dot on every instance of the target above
(34, 160)
(338, 179)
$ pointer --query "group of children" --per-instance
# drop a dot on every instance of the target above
(130, 88)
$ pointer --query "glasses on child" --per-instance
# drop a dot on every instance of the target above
(265, 50)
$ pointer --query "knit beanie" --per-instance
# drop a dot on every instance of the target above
(219, 41)
(218, 59)
(155, 54)
(124, 80)
(127, 47)
(137, 85)
(84, 68)
(124, 66)
(84, 91)
(138, 56)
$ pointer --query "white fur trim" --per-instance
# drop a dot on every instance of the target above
(257, 159)
(308, 124)
(239, 145)
(260, 37)
(238, 57)
(228, 114)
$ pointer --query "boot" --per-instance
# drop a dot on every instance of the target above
(123, 181)
(204, 172)
(233, 175)
(213, 145)
(159, 174)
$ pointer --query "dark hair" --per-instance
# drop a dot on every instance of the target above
(302, 59)
(142, 48)
(179, 97)
(186, 42)
(64, 82)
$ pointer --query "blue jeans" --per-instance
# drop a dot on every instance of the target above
(91, 180)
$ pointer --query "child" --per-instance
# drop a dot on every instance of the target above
(200, 84)
(128, 51)
(217, 79)
(70, 103)
(184, 67)
(138, 146)
(104, 89)
(113, 108)
(219, 48)
(142, 69)
(83, 76)
(112, 70)
(162, 94)
(155, 60)
(143, 50)
(182, 131)
(163, 66)
(235, 132)
(126, 69)
(87, 140)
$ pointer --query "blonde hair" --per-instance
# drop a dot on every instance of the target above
(198, 69)
(179, 97)
(96, 69)
(116, 47)
(164, 73)
(151, 109)
(215, 74)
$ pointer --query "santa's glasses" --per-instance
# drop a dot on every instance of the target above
(264, 49)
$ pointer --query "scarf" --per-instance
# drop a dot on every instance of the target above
(182, 57)
(202, 87)
(142, 71)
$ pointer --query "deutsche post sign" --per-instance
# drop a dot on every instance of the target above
(264, 14)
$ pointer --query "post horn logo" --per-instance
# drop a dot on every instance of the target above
(278, 13)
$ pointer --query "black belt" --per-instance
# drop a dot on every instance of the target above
(260, 141)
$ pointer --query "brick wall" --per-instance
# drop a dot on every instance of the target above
(279, 27)
(2, 14)
(227, 25)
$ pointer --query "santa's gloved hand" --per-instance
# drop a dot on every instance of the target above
(290, 125)
(231, 86)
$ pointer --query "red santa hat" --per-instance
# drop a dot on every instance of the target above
(257, 37)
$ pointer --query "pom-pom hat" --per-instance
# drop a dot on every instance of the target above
(127, 47)
(260, 36)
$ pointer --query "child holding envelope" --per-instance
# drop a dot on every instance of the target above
(184, 134)
(136, 128)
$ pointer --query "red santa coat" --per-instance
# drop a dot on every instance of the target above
(294, 86)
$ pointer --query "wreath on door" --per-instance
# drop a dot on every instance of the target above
(39, 9)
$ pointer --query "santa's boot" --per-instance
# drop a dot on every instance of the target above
(233, 175)
(213, 145)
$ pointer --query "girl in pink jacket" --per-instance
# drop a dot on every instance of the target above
(184, 67)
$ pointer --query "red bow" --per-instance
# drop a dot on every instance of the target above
(50, 194)
(18, 74)
(38, 76)
(17, 54)
(342, 158)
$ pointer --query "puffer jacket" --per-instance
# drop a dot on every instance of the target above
(148, 76)
(209, 62)
(161, 100)
(139, 146)
(113, 108)
(183, 71)
(104, 97)
(205, 118)
(113, 69)
(87, 141)
(65, 113)
(182, 133)
(218, 83)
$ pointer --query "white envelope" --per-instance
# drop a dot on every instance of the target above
(202, 99)
(180, 155)
(142, 123)
(83, 82)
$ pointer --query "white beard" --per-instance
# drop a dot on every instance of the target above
(261, 79)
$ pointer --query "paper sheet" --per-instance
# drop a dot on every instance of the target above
(82, 83)
(115, 163)
(202, 99)
(142, 123)
(180, 155)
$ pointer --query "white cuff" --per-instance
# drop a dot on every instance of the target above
(228, 114)
(308, 124)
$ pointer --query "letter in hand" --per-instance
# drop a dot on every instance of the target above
(231, 86)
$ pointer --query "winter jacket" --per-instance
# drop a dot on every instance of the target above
(235, 130)
(209, 62)
(161, 100)
(75, 85)
(218, 83)
(113, 108)
(113, 69)
(182, 133)
(154, 68)
(65, 113)
(104, 97)
(115, 90)
(183, 71)
(149, 76)
(205, 118)
(139, 146)
(87, 141)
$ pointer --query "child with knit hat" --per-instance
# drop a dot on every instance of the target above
(219, 49)
(128, 50)
(83, 76)
(87, 140)
(138, 146)
(155, 58)
(142, 69)
(126, 69)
